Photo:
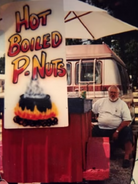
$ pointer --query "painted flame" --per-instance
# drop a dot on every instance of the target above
(36, 114)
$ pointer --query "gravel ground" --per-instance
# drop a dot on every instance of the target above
(118, 174)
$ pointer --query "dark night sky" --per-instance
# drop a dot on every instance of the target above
(126, 10)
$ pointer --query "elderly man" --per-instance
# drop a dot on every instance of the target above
(113, 121)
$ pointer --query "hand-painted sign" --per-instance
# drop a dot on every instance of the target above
(35, 84)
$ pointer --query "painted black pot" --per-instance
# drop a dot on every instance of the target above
(41, 103)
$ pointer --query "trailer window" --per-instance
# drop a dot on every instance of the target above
(2, 65)
(2, 73)
(87, 72)
(68, 73)
(124, 79)
(98, 71)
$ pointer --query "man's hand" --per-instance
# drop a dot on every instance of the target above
(115, 135)
(122, 125)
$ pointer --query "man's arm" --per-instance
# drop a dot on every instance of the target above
(94, 117)
(123, 124)
(126, 117)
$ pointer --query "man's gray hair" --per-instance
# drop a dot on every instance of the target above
(114, 87)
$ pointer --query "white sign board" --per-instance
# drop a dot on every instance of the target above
(35, 77)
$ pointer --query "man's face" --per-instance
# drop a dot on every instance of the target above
(113, 94)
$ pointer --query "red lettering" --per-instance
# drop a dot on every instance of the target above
(25, 21)
(49, 69)
(34, 22)
(17, 70)
(14, 46)
(43, 16)
(46, 39)
(39, 67)
(18, 44)
(38, 46)
(30, 21)
(56, 65)
(56, 39)
(25, 45)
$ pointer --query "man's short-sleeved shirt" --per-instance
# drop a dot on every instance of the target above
(111, 114)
